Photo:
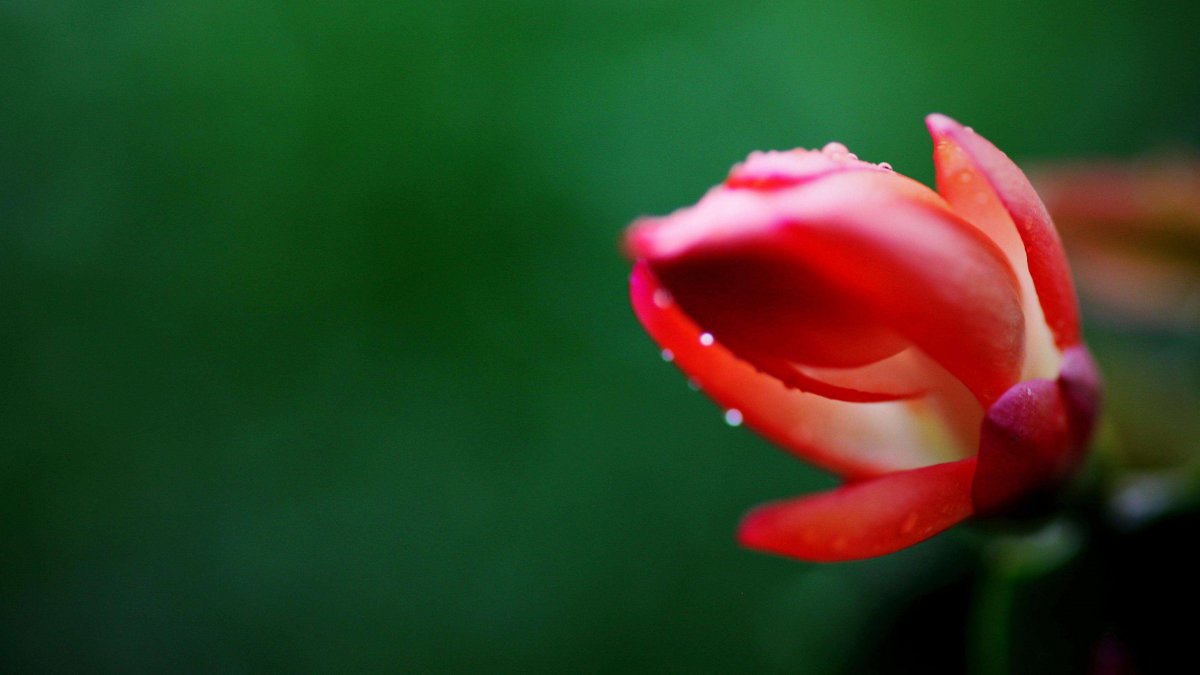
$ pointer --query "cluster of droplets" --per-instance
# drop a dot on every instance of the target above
(662, 300)
(838, 152)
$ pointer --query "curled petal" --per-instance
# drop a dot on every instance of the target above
(866, 519)
(842, 272)
(906, 375)
(854, 385)
(764, 305)
(962, 156)
(853, 440)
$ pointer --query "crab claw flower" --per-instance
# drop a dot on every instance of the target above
(924, 346)
(1133, 230)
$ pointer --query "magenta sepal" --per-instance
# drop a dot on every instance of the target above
(1036, 434)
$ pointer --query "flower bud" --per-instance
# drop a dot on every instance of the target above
(923, 345)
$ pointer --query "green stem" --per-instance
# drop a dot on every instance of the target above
(991, 622)
(1007, 563)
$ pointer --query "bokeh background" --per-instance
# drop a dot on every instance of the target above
(316, 349)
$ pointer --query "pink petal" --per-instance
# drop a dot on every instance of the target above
(907, 374)
(969, 193)
(760, 301)
(854, 440)
(962, 156)
(873, 383)
(828, 273)
(866, 519)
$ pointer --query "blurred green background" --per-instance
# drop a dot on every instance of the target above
(317, 353)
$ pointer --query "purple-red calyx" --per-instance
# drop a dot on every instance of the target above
(924, 346)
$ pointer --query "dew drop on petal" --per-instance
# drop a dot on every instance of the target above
(706, 339)
(693, 384)
(834, 148)
(733, 417)
(885, 166)
(668, 355)
(662, 298)
(851, 155)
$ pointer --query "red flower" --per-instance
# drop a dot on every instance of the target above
(923, 346)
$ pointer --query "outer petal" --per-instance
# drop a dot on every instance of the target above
(872, 242)
(864, 519)
(854, 440)
(961, 153)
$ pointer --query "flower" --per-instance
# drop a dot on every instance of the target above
(1133, 232)
(925, 347)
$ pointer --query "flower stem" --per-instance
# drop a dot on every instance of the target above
(1008, 562)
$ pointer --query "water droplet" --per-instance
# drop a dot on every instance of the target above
(693, 384)
(834, 148)
(885, 166)
(662, 298)
(733, 417)
(970, 130)
(851, 155)
(706, 339)
(668, 355)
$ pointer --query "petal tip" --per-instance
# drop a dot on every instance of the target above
(941, 125)
(751, 532)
